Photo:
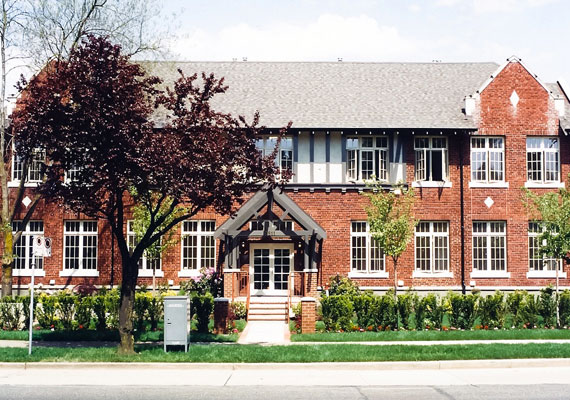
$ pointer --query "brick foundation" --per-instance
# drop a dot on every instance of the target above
(308, 314)
(221, 313)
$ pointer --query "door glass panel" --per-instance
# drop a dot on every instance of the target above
(261, 269)
(282, 268)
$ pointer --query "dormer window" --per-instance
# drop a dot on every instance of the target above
(367, 157)
(34, 173)
(284, 159)
(431, 159)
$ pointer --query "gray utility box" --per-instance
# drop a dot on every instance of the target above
(176, 321)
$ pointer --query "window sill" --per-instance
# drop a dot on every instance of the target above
(545, 274)
(87, 273)
(431, 184)
(549, 185)
(148, 273)
(28, 272)
(419, 274)
(188, 273)
(15, 184)
(490, 274)
(372, 275)
(490, 185)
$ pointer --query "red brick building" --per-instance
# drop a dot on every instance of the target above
(467, 136)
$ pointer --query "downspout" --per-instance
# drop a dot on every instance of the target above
(462, 205)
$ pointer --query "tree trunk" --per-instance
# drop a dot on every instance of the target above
(7, 263)
(126, 304)
(396, 278)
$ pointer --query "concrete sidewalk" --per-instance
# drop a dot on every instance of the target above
(432, 373)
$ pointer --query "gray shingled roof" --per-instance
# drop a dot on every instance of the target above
(342, 94)
(565, 119)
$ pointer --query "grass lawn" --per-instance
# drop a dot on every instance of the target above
(216, 353)
(511, 334)
(113, 335)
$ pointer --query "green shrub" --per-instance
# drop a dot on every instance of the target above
(142, 301)
(547, 306)
(83, 311)
(202, 307)
(155, 311)
(492, 310)
(10, 314)
(405, 308)
(112, 300)
(239, 309)
(341, 285)
(515, 304)
(337, 312)
(564, 308)
(25, 306)
(66, 308)
(529, 311)
(463, 310)
(363, 307)
(385, 311)
(46, 313)
(100, 311)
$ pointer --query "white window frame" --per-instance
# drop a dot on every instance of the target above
(82, 233)
(487, 272)
(489, 155)
(542, 152)
(145, 268)
(34, 169)
(432, 236)
(375, 146)
(370, 258)
(423, 166)
(27, 240)
(285, 156)
(199, 234)
(535, 229)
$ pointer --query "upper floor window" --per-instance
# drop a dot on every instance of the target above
(23, 246)
(284, 159)
(80, 245)
(542, 159)
(432, 247)
(366, 256)
(198, 245)
(34, 173)
(431, 158)
(490, 246)
(487, 159)
(367, 157)
(272, 225)
(146, 263)
(537, 261)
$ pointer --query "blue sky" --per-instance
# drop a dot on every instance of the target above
(375, 30)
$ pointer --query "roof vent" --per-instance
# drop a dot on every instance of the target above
(339, 59)
(469, 105)
(559, 105)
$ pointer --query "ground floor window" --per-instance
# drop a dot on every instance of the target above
(198, 245)
(146, 263)
(432, 246)
(366, 256)
(23, 246)
(80, 245)
(490, 246)
(537, 261)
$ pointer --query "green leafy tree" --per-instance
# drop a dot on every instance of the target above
(552, 209)
(391, 220)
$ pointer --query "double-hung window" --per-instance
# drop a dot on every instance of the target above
(147, 264)
(198, 245)
(366, 256)
(367, 157)
(490, 247)
(24, 245)
(543, 160)
(539, 264)
(432, 247)
(487, 159)
(80, 248)
(284, 159)
(35, 167)
(431, 159)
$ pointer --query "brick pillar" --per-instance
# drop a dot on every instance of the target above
(221, 312)
(311, 284)
(308, 314)
(228, 284)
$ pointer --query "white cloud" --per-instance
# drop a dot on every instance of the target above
(329, 37)
(415, 8)
(490, 6)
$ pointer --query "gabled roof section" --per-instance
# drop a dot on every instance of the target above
(251, 207)
(512, 59)
(337, 95)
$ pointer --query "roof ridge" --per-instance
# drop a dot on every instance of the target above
(320, 62)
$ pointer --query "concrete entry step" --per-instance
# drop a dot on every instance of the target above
(261, 332)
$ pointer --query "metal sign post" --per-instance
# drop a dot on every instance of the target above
(41, 248)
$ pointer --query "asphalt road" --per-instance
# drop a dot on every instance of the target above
(518, 392)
